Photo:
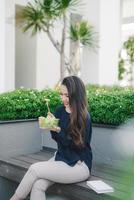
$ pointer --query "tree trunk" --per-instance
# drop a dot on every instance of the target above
(75, 59)
(55, 43)
(64, 61)
(62, 55)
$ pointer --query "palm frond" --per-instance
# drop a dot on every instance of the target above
(36, 16)
(84, 33)
(50, 8)
(74, 36)
(68, 5)
(75, 3)
(32, 17)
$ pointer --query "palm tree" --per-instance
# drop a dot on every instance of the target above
(41, 15)
(126, 65)
(129, 47)
(81, 35)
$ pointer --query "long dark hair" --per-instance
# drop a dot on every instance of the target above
(78, 104)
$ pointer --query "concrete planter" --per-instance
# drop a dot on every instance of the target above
(109, 143)
(104, 144)
(47, 141)
(19, 137)
(113, 144)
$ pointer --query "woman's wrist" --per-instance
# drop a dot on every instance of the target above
(58, 129)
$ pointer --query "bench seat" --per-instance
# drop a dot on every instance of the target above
(14, 168)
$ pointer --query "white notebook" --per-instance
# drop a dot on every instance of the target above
(100, 186)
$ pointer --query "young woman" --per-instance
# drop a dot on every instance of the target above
(73, 159)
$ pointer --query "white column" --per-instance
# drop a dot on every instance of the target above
(101, 67)
(7, 48)
(10, 46)
(2, 45)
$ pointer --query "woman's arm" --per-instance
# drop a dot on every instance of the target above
(54, 131)
(58, 133)
(62, 138)
(67, 140)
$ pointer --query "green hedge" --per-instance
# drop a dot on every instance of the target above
(110, 105)
(27, 104)
(107, 105)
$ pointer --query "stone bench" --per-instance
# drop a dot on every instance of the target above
(14, 168)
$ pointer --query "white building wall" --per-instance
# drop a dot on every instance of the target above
(110, 41)
(48, 63)
(2, 48)
(102, 67)
(26, 55)
(90, 62)
(7, 29)
(128, 8)
(10, 46)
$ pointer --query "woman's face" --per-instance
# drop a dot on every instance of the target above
(64, 95)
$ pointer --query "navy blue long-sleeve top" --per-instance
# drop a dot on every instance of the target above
(67, 151)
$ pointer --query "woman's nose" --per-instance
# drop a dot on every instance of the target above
(63, 98)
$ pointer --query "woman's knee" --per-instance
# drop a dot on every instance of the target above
(33, 167)
(40, 184)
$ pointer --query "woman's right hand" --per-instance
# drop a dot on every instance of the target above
(56, 129)
(50, 115)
